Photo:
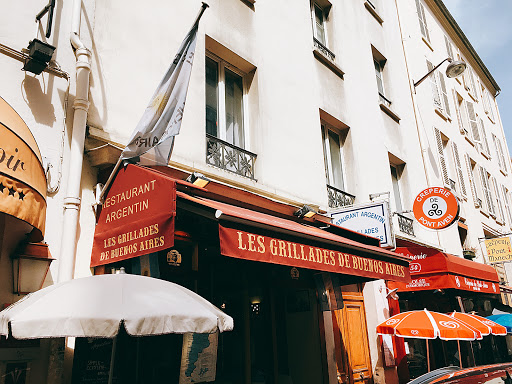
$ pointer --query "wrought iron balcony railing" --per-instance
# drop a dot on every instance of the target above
(324, 50)
(384, 100)
(338, 198)
(405, 224)
(229, 157)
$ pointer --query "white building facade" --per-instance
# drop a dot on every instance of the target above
(324, 112)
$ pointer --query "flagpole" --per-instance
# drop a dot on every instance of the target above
(99, 199)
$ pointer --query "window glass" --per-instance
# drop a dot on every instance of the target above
(396, 189)
(212, 81)
(234, 109)
(335, 171)
(378, 74)
(319, 24)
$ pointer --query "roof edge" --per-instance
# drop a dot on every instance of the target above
(467, 44)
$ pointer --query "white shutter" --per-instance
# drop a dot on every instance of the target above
(442, 161)
(472, 81)
(472, 184)
(459, 113)
(435, 89)
(472, 122)
(460, 174)
(489, 106)
(485, 143)
(444, 94)
(449, 50)
(499, 213)
(422, 19)
(507, 204)
(487, 190)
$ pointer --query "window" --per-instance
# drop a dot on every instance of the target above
(449, 49)
(333, 157)
(486, 98)
(333, 138)
(502, 162)
(461, 115)
(224, 102)
(422, 20)
(395, 179)
(506, 203)
(500, 216)
(471, 168)
(471, 118)
(484, 145)
(379, 67)
(442, 143)
(469, 82)
(460, 174)
(319, 13)
(439, 90)
(485, 184)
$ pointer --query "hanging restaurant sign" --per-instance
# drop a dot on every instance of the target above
(435, 208)
(135, 220)
(498, 250)
(256, 247)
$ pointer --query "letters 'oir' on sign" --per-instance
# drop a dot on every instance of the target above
(436, 208)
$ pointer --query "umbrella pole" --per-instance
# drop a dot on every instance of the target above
(460, 356)
(112, 358)
(428, 358)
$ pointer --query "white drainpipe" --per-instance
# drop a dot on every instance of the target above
(81, 107)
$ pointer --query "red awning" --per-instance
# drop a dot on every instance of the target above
(138, 218)
(431, 269)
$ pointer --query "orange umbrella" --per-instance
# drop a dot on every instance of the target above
(428, 325)
(485, 326)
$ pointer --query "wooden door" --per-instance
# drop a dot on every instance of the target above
(354, 364)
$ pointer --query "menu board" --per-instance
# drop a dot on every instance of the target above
(92, 361)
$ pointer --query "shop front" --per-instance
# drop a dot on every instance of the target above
(293, 289)
(445, 283)
(24, 259)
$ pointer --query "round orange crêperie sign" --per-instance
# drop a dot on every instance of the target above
(435, 208)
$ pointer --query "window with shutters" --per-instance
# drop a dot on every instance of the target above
(500, 217)
(449, 49)
(472, 122)
(460, 174)
(502, 160)
(484, 147)
(422, 20)
(486, 98)
(485, 183)
(439, 91)
(506, 203)
(319, 12)
(442, 144)
(471, 169)
(469, 82)
(461, 113)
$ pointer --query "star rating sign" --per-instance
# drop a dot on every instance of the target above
(2, 187)
(21, 195)
(11, 191)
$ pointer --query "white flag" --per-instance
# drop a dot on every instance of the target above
(154, 135)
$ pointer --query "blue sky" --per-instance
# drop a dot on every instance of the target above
(488, 26)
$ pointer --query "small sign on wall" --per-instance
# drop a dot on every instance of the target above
(371, 219)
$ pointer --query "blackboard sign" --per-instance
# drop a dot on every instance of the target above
(92, 361)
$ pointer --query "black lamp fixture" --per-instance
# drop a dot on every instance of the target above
(305, 211)
(454, 69)
(198, 179)
(39, 55)
(30, 266)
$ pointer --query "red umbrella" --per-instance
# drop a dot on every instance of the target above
(485, 326)
(428, 325)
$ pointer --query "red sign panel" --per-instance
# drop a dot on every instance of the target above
(137, 216)
(446, 281)
(435, 208)
(251, 246)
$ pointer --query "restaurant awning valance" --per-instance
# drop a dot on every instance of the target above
(22, 177)
(243, 233)
(431, 269)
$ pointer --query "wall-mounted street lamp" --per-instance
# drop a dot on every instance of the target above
(305, 211)
(39, 55)
(454, 69)
(198, 179)
(30, 266)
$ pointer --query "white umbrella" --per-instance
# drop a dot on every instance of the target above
(96, 306)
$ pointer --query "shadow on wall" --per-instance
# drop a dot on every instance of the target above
(39, 103)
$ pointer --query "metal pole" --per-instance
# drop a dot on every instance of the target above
(112, 358)
(428, 358)
(432, 70)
